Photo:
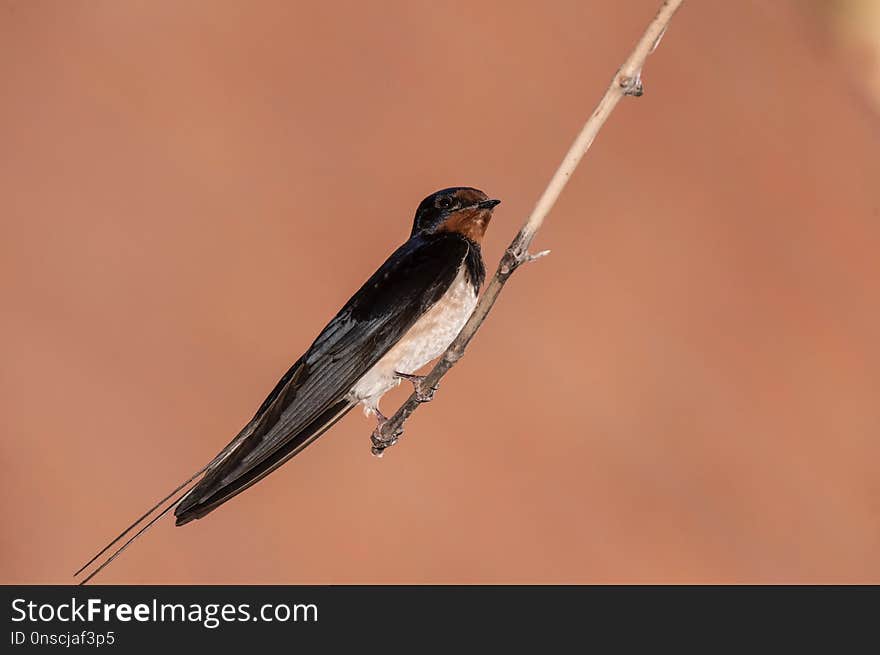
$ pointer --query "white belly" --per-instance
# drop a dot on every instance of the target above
(425, 340)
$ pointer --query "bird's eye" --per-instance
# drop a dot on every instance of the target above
(444, 203)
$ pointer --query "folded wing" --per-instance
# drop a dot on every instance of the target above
(313, 394)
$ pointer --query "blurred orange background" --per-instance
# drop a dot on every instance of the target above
(686, 390)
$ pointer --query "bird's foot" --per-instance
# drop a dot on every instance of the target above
(424, 393)
(380, 441)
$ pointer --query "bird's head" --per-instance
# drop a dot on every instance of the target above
(459, 209)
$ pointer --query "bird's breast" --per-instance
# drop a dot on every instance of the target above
(429, 336)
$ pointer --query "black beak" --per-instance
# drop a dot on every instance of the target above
(488, 204)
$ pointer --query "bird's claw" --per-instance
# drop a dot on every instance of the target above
(380, 441)
(424, 393)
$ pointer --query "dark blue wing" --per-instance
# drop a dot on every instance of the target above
(312, 394)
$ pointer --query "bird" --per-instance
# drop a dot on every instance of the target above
(404, 316)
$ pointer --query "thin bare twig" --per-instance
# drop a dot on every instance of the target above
(626, 82)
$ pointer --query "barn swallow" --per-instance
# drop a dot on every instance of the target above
(405, 315)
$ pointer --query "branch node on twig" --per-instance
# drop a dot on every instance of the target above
(632, 84)
(509, 261)
(517, 255)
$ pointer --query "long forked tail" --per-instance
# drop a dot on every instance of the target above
(196, 497)
(140, 520)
